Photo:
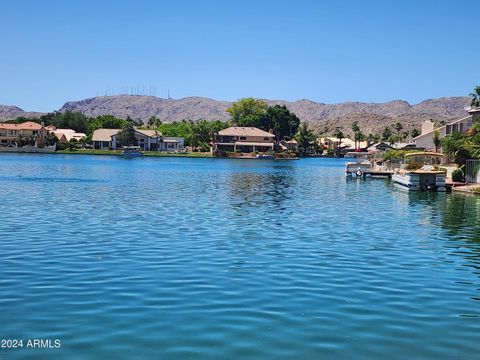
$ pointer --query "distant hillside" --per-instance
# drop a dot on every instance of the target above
(372, 117)
(11, 112)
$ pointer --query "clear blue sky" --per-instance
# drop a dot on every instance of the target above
(326, 51)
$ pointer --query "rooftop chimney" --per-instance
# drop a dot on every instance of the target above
(427, 126)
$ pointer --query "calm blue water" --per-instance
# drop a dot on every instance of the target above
(232, 259)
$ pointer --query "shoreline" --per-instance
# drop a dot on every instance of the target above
(146, 154)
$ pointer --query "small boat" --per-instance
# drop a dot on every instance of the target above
(132, 151)
(361, 166)
(265, 157)
(421, 172)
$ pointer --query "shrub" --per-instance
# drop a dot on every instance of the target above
(204, 147)
(457, 175)
(61, 146)
(413, 166)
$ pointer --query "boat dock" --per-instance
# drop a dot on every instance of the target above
(369, 172)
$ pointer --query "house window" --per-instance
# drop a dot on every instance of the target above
(448, 129)
(266, 138)
(243, 138)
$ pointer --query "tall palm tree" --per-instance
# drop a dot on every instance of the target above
(475, 97)
(339, 135)
(437, 141)
(356, 130)
(398, 127)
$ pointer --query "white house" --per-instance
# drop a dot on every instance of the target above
(425, 140)
(333, 143)
(65, 135)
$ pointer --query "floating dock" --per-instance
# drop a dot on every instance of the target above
(369, 172)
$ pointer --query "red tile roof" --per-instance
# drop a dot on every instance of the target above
(29, 125)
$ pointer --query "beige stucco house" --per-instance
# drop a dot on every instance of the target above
(151, 140)
(65, 135)
(425, 140)
(333, 143)
(243, 139)
(29, 130)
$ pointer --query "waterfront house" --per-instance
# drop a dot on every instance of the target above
(244, 140)
(102, 138)
(381, 146)
(345, 143)
(289, 145)
(150, 140)
(65, 135)
(30, 131)
(425, 140)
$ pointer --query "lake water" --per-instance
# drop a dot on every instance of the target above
(177, 258)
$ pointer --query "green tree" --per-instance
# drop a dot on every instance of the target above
(356, 130)
(247, 112)
(339, 135)
(153, 122)
(305, 138)
(455, 145)
(386, 134)
(475, 97)
(126, 137)
(105, 122)
(437, 141)
(279, 119)
(370, 139)
(415, 132)
(73, 120)
(51, 139)
(398, 128)
(20, 140)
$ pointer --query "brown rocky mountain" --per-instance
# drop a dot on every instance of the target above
(372, 117)
(11, 112)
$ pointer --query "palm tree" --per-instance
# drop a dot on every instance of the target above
(437, 141)
(339, 135)
(305, 138)
(455, 145)
(370, 139)
(356, 130)
(386, 134)
(475, 97)
(398, 128)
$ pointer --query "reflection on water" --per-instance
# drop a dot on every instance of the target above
(262, 189)
(203, 258)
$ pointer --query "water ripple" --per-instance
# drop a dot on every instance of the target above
(204, 258)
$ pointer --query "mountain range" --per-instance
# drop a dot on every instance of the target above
(324, 118)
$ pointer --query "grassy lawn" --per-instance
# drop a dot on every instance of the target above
(162, 154)
(119, 152)
(89, 152)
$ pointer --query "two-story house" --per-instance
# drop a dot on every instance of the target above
(243, 139)
(425, 140)
(29, 131)
(150, 140)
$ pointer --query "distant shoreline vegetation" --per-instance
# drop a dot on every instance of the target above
(196, 134)
(247, 112)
